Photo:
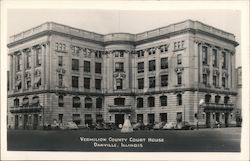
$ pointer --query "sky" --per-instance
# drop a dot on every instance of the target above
(127, 21)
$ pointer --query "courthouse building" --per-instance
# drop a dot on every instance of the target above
(181, 72)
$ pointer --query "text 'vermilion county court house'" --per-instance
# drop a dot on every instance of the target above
(181, 72)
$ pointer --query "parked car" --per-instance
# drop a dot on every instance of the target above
(159, 125)
(138, 126)
(69, 126)
(169, 126)
(184, 126)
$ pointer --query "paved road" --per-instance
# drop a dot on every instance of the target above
(203, 140)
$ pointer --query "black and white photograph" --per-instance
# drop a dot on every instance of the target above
(126, 80)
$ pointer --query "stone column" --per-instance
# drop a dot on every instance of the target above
(210, 75)
(48, 65)
(228, 83)
(14, 71)
(23, 69)
(220, 69)
(44, 47)
(32, 66)
(200, 61)
(11, 72)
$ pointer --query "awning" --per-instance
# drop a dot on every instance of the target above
(35, 100)
(18, 82)
(25, 101)
(38, 80)
(88, 101)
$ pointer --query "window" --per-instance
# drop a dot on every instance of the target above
(99, 118)
(215, 58)
(224, 60)
(60, 80)
(179, 99)
(139, 102)
(98, 68)
(38, 56)
(179, 117)
(98, 84)
(204, 55)
(26, 101)
(205, 79)
(164, 117)
(35, 100)
(99, 102)
(179, 60)
(60, 61)
(19, 62)
(164, 80)
(76, 102)
(179, 78)
(207, 98)
(88, 102)
(151, 82)
(141, 83)
(119, 83)
(139, 117)
(151, 118)
(151, 65)
(140, 53)
(140, 67)
(28, 60)
(164, 100)
(75, 64)
(224, 82)
(60, 118)
(75, 82)
(151, 101)
(88, 119)
(16, 102)
(215, 78)
(28, 83)
(60, 47)
(87, 83)
(164, 63)
(119, 101)
(60, 101)
(86, 66)
(217, 99)
(119, 67)
(76, 119)
(226, 99)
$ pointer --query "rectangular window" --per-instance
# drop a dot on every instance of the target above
(119, 67)
(87, 83)
(204, 78)
(86, 66)
(60, 80)
(141, 83)
(98, 68)
(119, 101)
(60, 101)
(164, 63)
(140, 67)
(98, 84)
(179, 78)
(179, 117)
(164, 117)
(164, 80)
(28, 84)
(151, 82)
(75, 64)
(38, 53)
(19, 62)
(179, 60)
(224, 60)
(215, 58)
(60, 118)
(119, 83)
(28, 61)
(75, 82)
(204, 55)
(60, 61)
(223, 82)
(151, 65)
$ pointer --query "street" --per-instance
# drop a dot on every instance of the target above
(202, 140)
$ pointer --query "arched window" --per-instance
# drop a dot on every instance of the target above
(207, 98)
(35, 100)
(179, 99)
(139, 102)
(88, 102)
(16, 102)
(99, 102)
(226, 99)
(25, 101)
(164, 100)
(217, 99)
(151, 101)
(76, 102)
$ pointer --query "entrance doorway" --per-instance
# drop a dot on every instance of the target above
(208, 119)
(151, 118)
(16, 122)
(35, 121)
(25, 121)
(217, 117)
(119, 119)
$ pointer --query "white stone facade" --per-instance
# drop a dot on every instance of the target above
(181, 63)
